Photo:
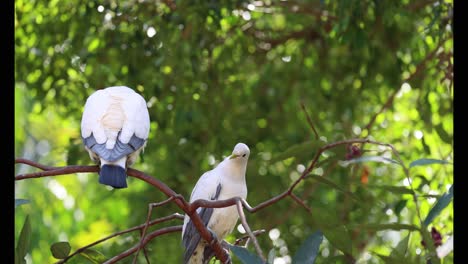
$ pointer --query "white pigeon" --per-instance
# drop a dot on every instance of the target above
(114, 127)
(225, 181)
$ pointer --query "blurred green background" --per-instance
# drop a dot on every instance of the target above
(215, 73)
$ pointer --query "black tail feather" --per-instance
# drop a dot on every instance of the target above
(113, 175)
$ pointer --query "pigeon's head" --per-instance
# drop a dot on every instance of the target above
(241, 152)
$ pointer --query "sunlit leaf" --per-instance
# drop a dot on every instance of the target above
(421, 162)
(441, 203)
(93, 45)
(443, 134)
(400, 250)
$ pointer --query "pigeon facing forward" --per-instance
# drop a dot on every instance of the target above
(114, 127)
(225, 181)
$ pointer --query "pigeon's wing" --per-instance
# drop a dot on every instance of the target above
(94, 110)
(117, 115)
(207, 187)
(137, 122)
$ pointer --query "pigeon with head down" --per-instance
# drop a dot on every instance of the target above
(115, 127)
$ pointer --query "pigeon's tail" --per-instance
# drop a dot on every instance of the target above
(113, 175)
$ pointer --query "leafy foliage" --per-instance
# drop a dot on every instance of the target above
(24, 242)
(215, 73)
(441, 203)
(309, 249)
(60, 250)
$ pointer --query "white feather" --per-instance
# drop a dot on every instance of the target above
(115, 109)
(230, 173)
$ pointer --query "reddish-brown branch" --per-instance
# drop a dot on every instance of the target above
(299, 201)
(148, 217)
(189, 208)
(34, 164)
(179, 199)
(58, 171)
(156, 221)
(148, 238)
(309, 120)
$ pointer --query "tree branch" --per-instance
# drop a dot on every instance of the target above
(247, 229)
(150, 210)
(148, 238)
(190, 208)
(309, 120)
(156, 221)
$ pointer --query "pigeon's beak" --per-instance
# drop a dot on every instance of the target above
(233, 156)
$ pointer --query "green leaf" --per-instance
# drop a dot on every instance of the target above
(399, 206)
(339, 237)
(19, 202)
(60, 250)
(24, 240)
(443, 134)
(245, 256)
(94, 256)
(421, 162)
(400, 250)
(308, 251)
(93, 45)
(441, 203)
(371, 158)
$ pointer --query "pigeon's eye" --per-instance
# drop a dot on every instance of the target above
(243, 155)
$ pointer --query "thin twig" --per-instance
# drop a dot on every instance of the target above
(309, 120)
(247, 229)
(34, 164)
(255, 233)
(149, 237)
(189, 208)
(299, 201)
(57, 172)
(156, 221)
(148, 217)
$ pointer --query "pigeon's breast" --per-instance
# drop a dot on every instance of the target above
(223, 220)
